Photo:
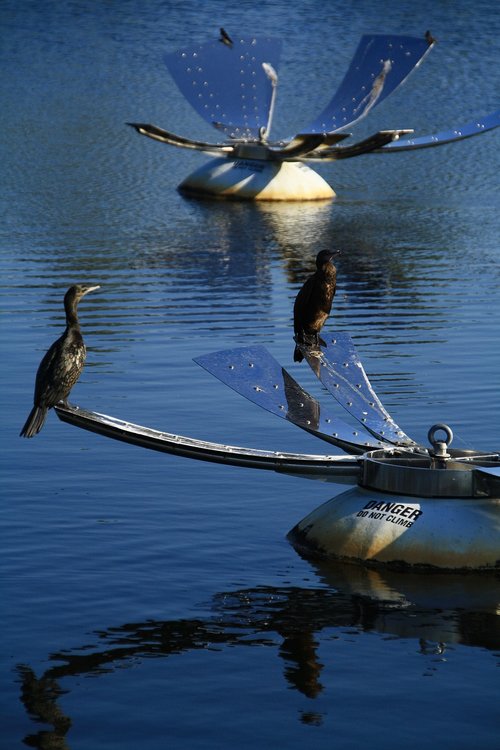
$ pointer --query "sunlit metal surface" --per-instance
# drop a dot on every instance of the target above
(380, 521)
(374, 142)
(228, 84)
(459, 133)
(164, 136)
(232, 88)
(255, 374)
(469, 474)
(340, 370)
(232, 82)
(320, 146)
(379, 65)
(476, 475)
(336, 468)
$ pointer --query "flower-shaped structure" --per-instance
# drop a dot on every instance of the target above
(232, 84)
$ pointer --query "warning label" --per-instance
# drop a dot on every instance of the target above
(397, 513)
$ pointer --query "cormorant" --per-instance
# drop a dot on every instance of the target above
(225, 38)
(313, 303)
(61, 366)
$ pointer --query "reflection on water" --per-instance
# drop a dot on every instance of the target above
(437, 612)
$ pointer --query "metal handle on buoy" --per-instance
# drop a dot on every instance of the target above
(440, 446)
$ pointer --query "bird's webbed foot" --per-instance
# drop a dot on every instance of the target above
(314, 341)
(305, 339)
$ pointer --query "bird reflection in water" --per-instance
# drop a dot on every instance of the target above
(40, 700)
(287, 619)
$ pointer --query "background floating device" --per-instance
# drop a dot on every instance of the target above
(233, 87)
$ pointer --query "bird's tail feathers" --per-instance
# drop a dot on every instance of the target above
(35, 422)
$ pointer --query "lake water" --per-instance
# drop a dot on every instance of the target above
(150, 601)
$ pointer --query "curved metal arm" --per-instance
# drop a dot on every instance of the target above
(299, 146)
(372, 143)
(340, 469)
(468, 130)
(158, 134)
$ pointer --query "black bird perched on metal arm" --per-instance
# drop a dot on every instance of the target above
(313, 304)
(61, 366)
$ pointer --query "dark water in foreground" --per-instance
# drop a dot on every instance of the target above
(149, 601)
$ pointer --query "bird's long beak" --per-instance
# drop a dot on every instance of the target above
(91, 289)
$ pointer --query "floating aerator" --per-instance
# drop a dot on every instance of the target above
(233, 84)
(408, 504)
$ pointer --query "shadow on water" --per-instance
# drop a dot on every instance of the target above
(438, 611)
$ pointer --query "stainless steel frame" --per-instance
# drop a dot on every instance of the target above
(233, 87)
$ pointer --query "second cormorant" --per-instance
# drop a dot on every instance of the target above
(61, 366)
(313, 303)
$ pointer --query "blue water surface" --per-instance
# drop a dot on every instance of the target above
(150, 601)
